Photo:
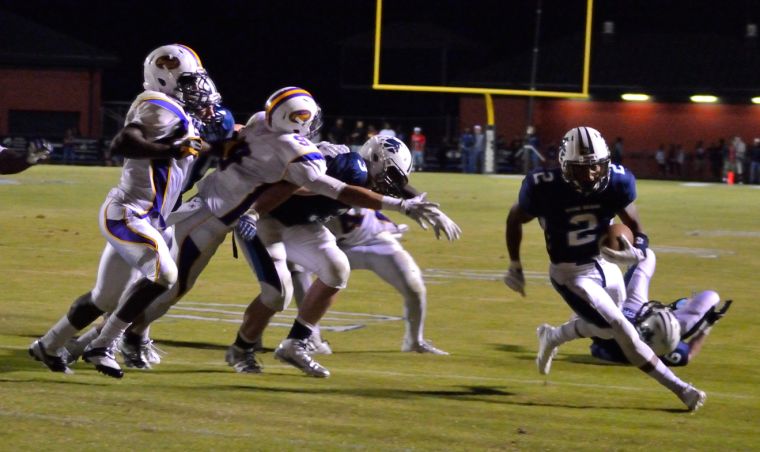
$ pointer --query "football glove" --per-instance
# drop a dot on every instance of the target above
(419, 210)
(713, 315)
(628, 255)
(442, 223)
(514, 278)
(190, 146)
(38, 149)
(246, 227)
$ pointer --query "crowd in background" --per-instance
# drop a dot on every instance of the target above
(729, 161)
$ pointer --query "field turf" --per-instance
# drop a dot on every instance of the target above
(486, 396)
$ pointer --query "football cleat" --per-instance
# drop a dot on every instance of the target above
(243, 361)
(53, 362)
(133, 355)
(546, 351)
(316, 346)
(103, 360)
(692, 397)
(421, 347)
(73, 351)
(151, 353)
(295, 353)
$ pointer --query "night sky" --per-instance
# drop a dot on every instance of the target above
(251, 47)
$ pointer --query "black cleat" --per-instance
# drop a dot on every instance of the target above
(103, 360)
(53, 362)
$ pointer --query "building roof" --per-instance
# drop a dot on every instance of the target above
(23, 42)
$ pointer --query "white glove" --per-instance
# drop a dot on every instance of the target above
(37, 150)
(514, 278)
(441, 222)
(628, 255)
(419, 209)
(331, 150)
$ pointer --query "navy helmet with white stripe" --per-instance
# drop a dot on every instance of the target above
(585, 160)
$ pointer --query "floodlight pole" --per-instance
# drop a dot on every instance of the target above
(534, 65)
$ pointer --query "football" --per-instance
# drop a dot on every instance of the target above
(612, 238)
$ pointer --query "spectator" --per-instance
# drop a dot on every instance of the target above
(699, 160)
(671, 160)
(69, 147)
(728, 151)
(358, 136)
(740, 149)
(754, 169)
(418, 149)
(680, 161)
(387, 130)
(715, 155)
(371, 131)
(466, 144)
(337, 133)
(659, 157)
(476, 156)
(617, 152)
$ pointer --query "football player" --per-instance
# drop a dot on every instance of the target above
(675, 332)
(12, 162)
(384, 162)
(575, 204)
(159, 143)
(272, 154)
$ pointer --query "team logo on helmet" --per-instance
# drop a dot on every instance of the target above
(391, 145)
(300, 116)
(167, 62)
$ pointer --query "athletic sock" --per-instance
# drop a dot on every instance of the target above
(301, 330)
(56, 337)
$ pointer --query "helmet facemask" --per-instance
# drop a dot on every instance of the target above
(390, 181)
(197, 91)
(658, 327)
(589, 177)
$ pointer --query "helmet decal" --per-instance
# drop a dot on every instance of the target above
(167, 62)
(300, 116)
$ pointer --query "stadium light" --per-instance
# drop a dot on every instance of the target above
(704, 98)
(756, 100)
(635, 97)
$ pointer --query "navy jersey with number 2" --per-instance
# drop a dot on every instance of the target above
(573, 222)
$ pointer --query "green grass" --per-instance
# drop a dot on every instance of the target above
(486, 396)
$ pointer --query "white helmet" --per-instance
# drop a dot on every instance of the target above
(658, 327)
(389, 163)
(585, 160)
(176, 71)
(293, 110)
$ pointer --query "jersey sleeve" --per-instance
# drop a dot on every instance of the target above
(626, 184)
(160, 119)
(678, 357)
(527, 197)
(306, 164)
(349, 168)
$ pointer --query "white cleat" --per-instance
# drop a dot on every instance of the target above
(421, 347)
(546, 351)
(151, 353)
(103, 360)
(132, 355)
(316, 346)
(295, 352)
(693, 398)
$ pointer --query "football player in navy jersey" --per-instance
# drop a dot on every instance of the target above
(676, 332)
(575, 204)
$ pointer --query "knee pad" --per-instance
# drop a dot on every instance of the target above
(168, 274)
(83, 312)
(275, 299)
(335, 270)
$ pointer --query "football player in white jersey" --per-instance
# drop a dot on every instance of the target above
(271, 148)
(371, 242)
(575, 204)
(159, 143)
(676, 332)
(297, 235)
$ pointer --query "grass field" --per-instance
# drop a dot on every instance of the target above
(486, 396)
